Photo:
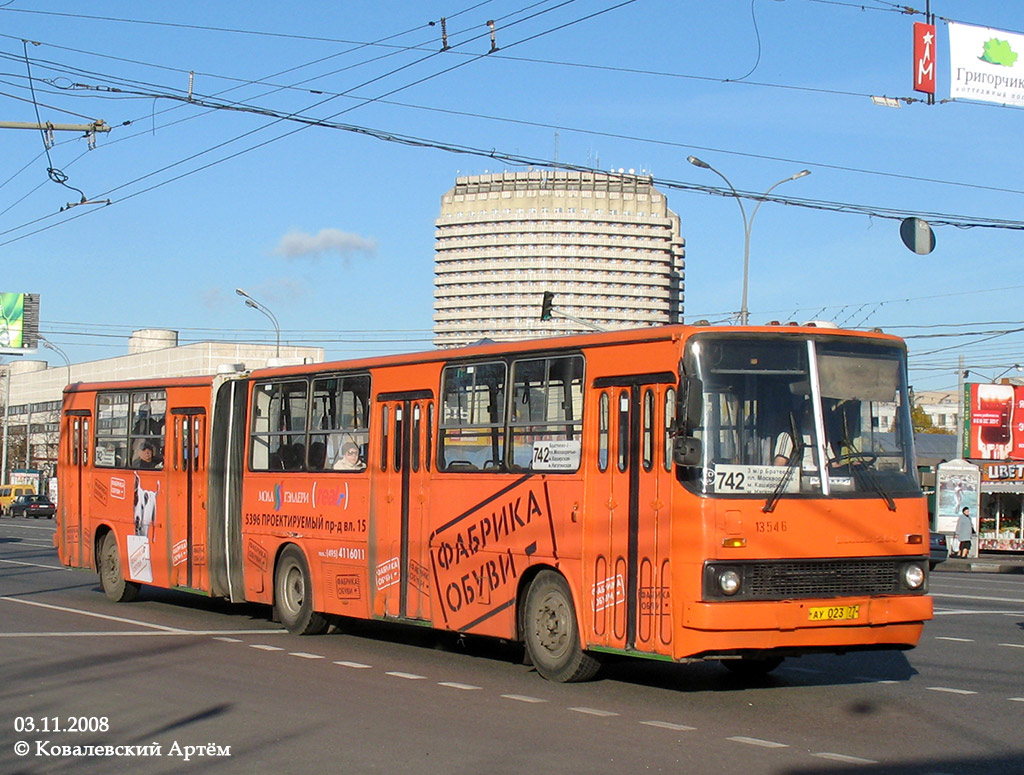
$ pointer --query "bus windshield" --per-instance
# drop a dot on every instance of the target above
(777, 411)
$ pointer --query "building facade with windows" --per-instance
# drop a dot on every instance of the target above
(606, 245)
(34, 390)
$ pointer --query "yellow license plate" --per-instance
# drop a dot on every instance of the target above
(833, 613)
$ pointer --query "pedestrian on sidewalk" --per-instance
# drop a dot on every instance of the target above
(964, 532)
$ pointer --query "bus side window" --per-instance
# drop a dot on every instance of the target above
(623, 431)
(471, 433)
(278, 431)
(670, 421)
(603, 431)
(384, 438)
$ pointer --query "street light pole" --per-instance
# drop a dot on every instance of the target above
(748, 224)
(251, 302)
(67, 361)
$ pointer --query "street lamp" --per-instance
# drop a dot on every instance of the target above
(1015, 366)
(747, 223)
(51, 346)
(251, 302)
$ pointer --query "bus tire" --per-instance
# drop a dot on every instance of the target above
(293, 595)
(551, 632)
(115, 585)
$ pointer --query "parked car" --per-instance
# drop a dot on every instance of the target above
(32, 506)
(11, 492)
(939, 550)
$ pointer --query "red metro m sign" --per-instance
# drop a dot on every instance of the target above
(924, 58)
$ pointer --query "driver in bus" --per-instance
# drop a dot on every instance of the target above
(785, 443)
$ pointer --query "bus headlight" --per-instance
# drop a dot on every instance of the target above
(729, 582)
(913, 576)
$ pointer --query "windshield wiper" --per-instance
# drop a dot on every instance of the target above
(865, 474)
(794, 460)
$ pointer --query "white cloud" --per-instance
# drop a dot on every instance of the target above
(298, 244)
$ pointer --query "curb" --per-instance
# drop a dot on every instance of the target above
(979, 566)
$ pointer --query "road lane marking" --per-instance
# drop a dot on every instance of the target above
(304, 655)
(454, 685)
(229, 640)
(949, 691)
(669, 725)
(355, 665)
(871, 680)
(979, 597)
(955, 640)
(265, 647)
(136, 634)
(838, 757)
(93, 614)
(594, 712)
(407, 676)
(757, 741)
(35, 565)
(1015, 699)
(522, 698)
(1013, 645)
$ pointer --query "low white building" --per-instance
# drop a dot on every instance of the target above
(33, 389)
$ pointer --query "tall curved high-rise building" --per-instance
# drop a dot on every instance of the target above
(605, 244)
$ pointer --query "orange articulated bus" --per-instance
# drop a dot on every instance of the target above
(679, 493)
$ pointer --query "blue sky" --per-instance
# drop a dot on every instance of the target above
(334, 230)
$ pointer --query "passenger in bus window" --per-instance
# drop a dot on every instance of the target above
(349, 460)
(317, 456)
(147, 457)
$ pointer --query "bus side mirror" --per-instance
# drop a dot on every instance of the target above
(687, 451)
(690, 409)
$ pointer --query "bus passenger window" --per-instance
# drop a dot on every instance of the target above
(602, 432)
(339, 423)
(623, 424)
(278, 432)
(546, 421)
(416, 430)
(384, 438)
(670, 421)
(648, 431)
(471, 433)
(398, 438)
(430, 434)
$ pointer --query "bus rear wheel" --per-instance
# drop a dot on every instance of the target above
(112, 579)
(293, 595)
(551, 632)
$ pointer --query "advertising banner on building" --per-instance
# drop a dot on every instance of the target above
(993, 421)
(984, 64)
(957, 484)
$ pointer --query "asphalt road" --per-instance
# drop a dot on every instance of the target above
(91, 686)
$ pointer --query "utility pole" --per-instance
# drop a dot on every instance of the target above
(49, 128)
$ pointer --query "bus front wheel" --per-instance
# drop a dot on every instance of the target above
(293, 595)
(551, 632)
(112, 579)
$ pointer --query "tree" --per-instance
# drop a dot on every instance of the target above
(922, 422)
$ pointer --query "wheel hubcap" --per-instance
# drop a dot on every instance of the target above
(294, 589)
(552, 624)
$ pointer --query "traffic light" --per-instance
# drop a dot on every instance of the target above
(545, 306)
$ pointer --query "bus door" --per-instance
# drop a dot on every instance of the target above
(186, 458)
(72, 496)
(630, 549)
(402, 561)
